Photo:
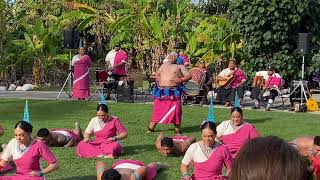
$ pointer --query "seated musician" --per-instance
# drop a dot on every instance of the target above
(61, 137)
(175, 145)
(270, 90)
(234, 80)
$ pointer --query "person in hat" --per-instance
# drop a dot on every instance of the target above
(206, 156)
(60, 137)
(176, 145)
(167, 108)
(81, 82)
(129, 170)
(108, 131)
(26, 154)
(269, 91)
(117, 60)
(234, 133)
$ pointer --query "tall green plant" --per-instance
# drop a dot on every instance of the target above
(270, 30)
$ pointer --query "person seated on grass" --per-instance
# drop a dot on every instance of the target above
(128, 170)
(176, 145)
(309, 147)
(266, 158)
(206, 156)
(235, 132)
(60, 137)
(26, 154)
(108, 131)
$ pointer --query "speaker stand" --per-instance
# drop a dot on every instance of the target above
(303, 91)
(69, 78)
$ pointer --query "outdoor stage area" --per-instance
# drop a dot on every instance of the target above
(53, 113)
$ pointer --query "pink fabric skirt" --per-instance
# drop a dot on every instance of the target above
(96, 149)
(20, 177)
(180, 138)
(151, 171)
(72, 134)
(167, 111)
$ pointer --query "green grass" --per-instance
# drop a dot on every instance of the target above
(54, 114)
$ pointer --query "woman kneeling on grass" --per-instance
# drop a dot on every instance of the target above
(207, 156)
(26, 154)
(128, 170)
(234, 133)
(105, 129)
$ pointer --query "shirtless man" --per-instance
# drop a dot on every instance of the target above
(129, 170)
(60, 137)
(308, 146)
(176, 145)
(167, 108)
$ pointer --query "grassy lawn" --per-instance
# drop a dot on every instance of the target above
(54, 114)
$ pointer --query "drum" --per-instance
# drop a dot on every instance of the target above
(101, 75)
(104, 75)
(193, 88)
(198, 76)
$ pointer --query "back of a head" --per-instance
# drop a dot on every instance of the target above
(167, 142)
(269, 158)
(111, 174)
(43, 132)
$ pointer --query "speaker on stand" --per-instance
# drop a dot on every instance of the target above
(71, 41)
(300, 86)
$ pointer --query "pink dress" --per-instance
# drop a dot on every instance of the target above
(81, 83)
(212, 168)
(121, 56)
(30, 161)
(236, 140)
(100, 146)
(151, 171)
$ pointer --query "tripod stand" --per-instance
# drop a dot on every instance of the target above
(303, 90)
(69, 78)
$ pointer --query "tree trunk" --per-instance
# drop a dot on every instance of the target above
(2, 26)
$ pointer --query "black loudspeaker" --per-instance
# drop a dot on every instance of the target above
(71, 39)
(304, 43)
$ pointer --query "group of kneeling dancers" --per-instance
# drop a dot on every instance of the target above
(234, 144)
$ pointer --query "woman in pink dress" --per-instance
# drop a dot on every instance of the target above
(236, 132)
(108, 131)
(128, 170)
(26, 154)
(81, 83)
(207, 157)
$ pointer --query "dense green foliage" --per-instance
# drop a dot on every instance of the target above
(270, 31)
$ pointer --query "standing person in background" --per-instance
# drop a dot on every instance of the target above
(81, 82)
(117, 60)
